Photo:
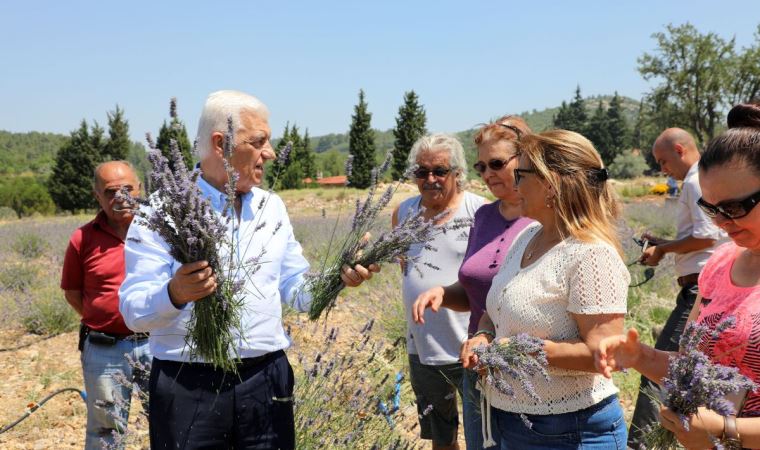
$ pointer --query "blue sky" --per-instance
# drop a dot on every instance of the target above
(468, 61)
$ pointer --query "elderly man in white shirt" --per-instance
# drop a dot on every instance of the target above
(696, 239)
(192, 404)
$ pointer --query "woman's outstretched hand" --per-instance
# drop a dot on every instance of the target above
(616, 353)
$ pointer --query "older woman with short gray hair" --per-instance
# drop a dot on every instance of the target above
(442, 142)
(434, 367)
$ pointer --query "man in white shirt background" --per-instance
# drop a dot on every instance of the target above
(696, 238)
(192, 404)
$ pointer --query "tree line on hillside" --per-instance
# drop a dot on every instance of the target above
(66, 183)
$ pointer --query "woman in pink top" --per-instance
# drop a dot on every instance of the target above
(729, 286)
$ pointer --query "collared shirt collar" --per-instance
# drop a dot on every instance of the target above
(101, 221)
(218, 198)
(692, 170)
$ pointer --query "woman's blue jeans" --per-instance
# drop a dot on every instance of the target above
(599, 427)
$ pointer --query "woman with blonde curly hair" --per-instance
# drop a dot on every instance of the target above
(563, 281)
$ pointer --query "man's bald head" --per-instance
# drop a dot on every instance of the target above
(124, 168)
(112, 177)
(676, 152)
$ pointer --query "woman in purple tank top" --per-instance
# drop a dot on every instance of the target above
(496, 225)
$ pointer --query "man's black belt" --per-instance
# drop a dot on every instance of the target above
(688, 280)
(243, 363)
(102, 338)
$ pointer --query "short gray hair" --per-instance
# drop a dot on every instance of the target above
(219, 106)
(442, 142)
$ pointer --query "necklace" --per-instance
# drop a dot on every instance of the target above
(534, 244)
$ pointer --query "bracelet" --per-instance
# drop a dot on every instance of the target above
(731, 438)
(488, 332)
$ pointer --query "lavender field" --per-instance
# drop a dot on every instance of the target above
(352, 390)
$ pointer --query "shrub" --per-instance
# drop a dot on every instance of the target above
(46, 312)
(632, 191)
(7, 213)
(339, 392)
(628, 165)
(26, 196)
(30, 245)
(18, 277)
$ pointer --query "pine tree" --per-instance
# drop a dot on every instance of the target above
(410, 126)
(70, 185)
(117, 146)
(617, 128)
(175, 130)
(562, 120)
(308, 161)
(97, 141)
(597, 132)
(577, 113)
(274, 170)
(361, 144)
(292, 174)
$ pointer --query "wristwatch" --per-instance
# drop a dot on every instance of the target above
(731, 439)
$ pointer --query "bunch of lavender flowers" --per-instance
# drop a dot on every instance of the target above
(520, 358)
(180, 214)
(694, 381)
(389, 246)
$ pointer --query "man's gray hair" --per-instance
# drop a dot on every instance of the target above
(219, 106)
(442, 142)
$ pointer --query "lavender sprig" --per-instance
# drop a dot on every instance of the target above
(520, 359)
(389, 246)
(693, 381)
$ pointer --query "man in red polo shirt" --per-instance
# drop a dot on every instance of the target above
(93, 271)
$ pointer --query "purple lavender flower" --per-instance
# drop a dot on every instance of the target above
(349, 168)
(694, 380)
(173, 107)
(282, 159)
(519, 359)
(387, 247)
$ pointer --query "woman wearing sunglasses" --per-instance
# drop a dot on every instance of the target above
(729, 285)
(563, 281)
(495, 226)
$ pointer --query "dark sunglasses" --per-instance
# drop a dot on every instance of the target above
(519, 174)
(422, 173)
(731, 209)
(494, 164)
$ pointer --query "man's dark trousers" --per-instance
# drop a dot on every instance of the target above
(194, 406)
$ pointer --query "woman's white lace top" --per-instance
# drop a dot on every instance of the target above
(572, 277)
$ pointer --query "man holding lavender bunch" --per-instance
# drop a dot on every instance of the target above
(193, 403)
(433, 346)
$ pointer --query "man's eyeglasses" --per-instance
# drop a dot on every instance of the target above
(494, 164)
(440, 172)
(730, 209)
(519, 174)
